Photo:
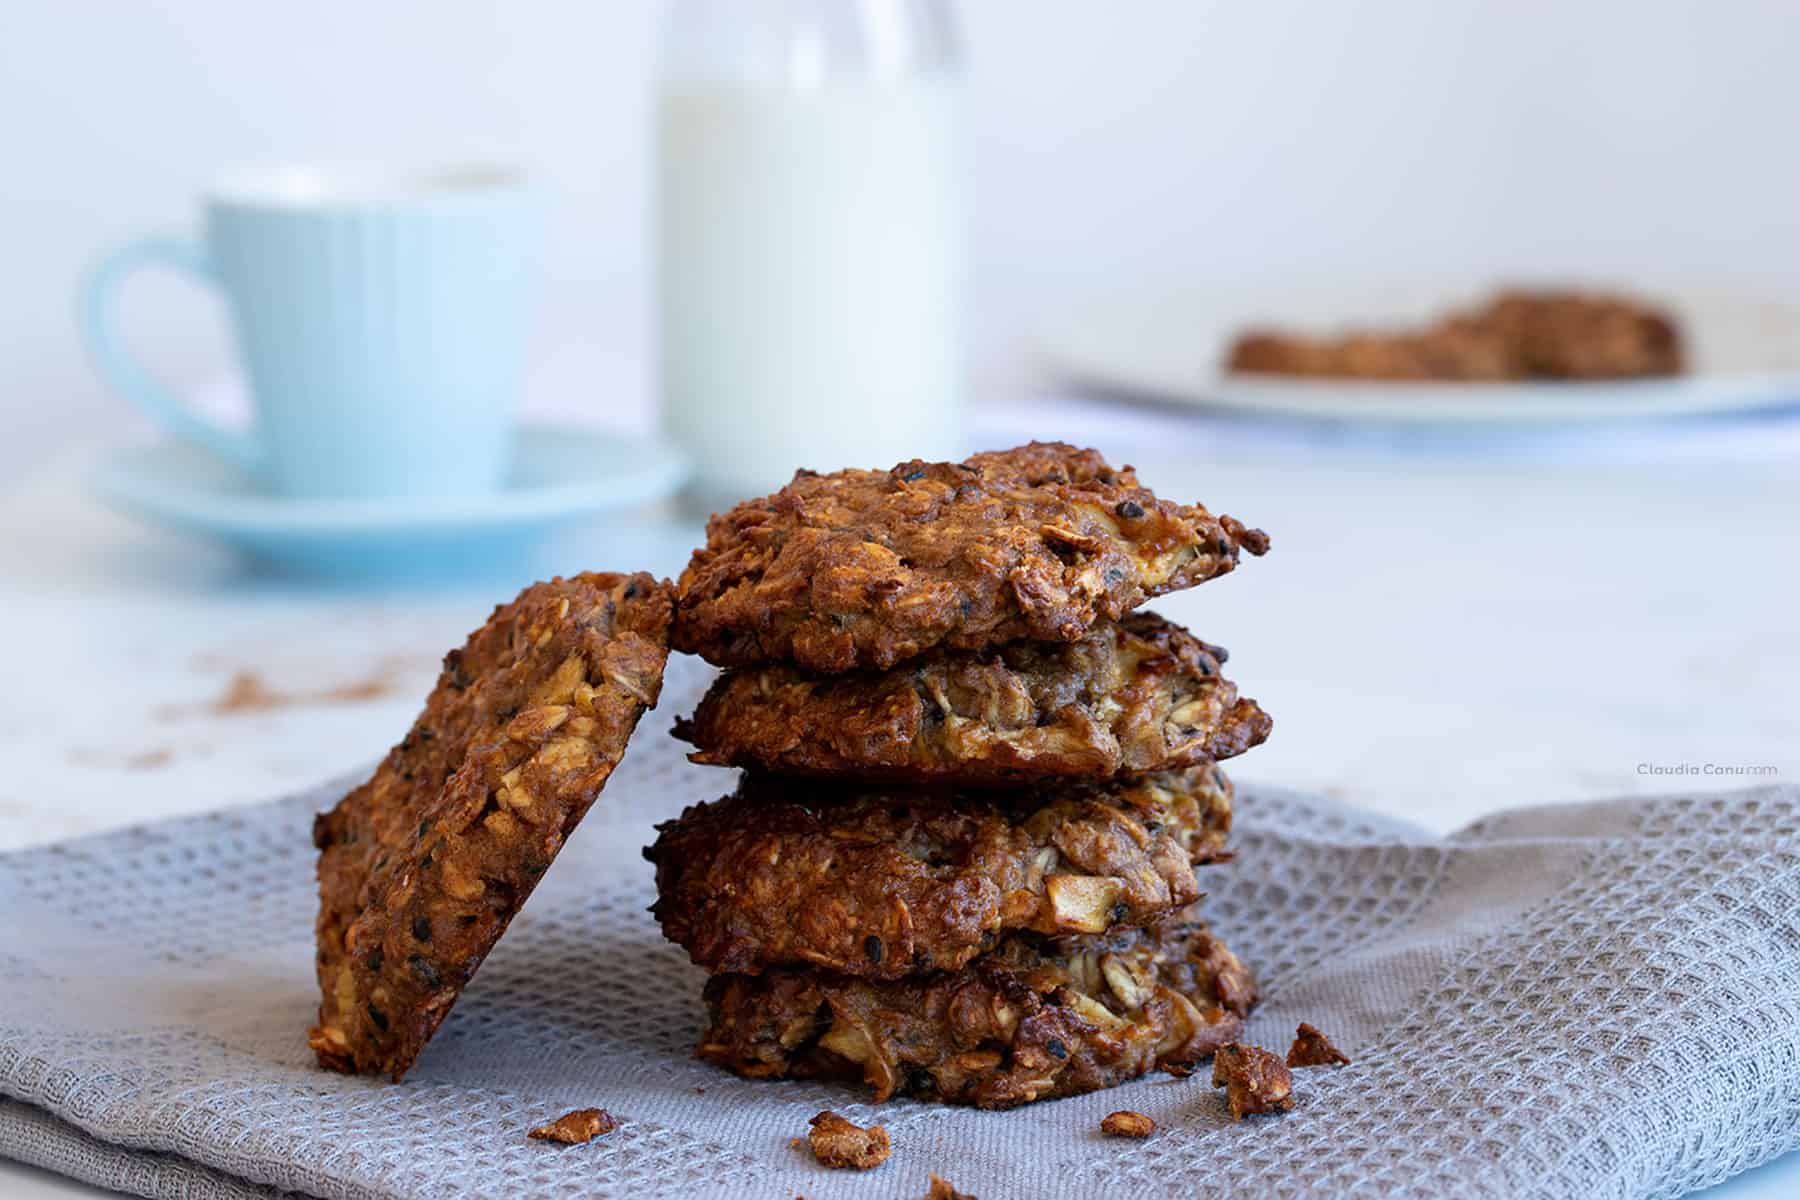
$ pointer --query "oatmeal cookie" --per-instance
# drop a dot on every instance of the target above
(868, 568)
(422, 867)
(1576, 335)
(1035, 1019)
(1142, 695)
(1454, 351)
(886, 882)
(1546, 334)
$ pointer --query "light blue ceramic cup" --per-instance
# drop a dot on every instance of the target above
(382, 321)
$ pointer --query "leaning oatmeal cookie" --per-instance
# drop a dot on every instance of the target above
(1141, 695)
(867, 568)
(422, 867)
(1034, 1019)
(887, 882)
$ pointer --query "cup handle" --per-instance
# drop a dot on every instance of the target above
(99, 327)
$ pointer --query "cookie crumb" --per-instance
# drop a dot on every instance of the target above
(1254, 1079)
(941, 1190)
(837, 1143)
(1313, 1049)
(1127, 1124)
(574, 1128)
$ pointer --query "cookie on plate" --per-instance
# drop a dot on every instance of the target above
(1032, 1020)
(882, 883)
(864, 569)
(1133, 697)
(422, 867)
(1576, 335)
(1515, 335)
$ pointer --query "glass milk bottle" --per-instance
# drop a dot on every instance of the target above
(808, 227)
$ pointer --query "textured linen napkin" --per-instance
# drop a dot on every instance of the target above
(1592, 1000)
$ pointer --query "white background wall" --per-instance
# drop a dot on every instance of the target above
(1113, 144)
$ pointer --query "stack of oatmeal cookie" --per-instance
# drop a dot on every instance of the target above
(961, 861)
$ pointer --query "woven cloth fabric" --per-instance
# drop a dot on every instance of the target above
(1596, 1000)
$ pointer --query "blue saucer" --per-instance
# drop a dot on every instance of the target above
(560, 475)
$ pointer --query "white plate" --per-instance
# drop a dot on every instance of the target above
(1743, 354)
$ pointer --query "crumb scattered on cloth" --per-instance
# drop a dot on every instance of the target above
(1127, 1124)
(1255, 1080)
(1313, 1049)
(574, 1128)
(837, 1143)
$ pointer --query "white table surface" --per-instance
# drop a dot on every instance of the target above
(1435, 640)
